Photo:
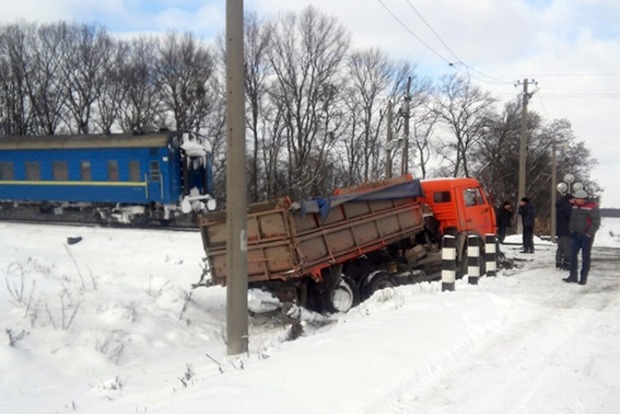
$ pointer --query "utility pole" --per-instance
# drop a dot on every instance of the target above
(405, 160)
(523, 149)
(388, 145)
(236, 185)
(554, 185)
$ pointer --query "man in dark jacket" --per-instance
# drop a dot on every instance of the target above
(504, 220)
(563, 208)
(585, 219)
(528, 214)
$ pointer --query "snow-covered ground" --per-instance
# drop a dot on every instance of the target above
(111, 325)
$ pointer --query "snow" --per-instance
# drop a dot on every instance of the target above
(141, 340)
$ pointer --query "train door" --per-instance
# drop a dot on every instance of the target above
(155, 182)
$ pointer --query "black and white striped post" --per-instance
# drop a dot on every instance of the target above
(448, 265)
(473, 259)
(490, 255)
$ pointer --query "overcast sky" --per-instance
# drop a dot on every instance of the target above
(570, 47)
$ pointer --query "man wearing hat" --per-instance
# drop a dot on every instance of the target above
(528, 215)
(585, 219)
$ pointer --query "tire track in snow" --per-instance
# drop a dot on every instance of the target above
(528, 367)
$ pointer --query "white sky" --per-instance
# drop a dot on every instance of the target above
(522, 342)
(570, 47)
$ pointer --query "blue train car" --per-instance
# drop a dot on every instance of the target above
(158, 171)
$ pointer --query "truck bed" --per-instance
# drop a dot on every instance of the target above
(292, 240)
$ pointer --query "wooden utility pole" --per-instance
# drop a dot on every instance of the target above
(388, 145)
(236, 185)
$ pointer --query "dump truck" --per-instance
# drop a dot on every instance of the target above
(328, 254)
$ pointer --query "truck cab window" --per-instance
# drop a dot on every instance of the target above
(473, 197)
(441, 197)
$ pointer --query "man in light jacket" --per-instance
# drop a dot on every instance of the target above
(585, 219)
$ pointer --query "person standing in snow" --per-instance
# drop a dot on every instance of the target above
(504, 220)
(585, 219)
(528, 215)
(563, 208)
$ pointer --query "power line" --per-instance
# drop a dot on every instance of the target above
(455, 65)
(458, 61)
(412, 33)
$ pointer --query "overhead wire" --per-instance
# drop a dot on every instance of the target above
(454, 64)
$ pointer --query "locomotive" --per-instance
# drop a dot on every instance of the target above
(159, 177)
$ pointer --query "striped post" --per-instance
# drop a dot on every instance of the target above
(448, 265)
(473, 259)
(490, 255)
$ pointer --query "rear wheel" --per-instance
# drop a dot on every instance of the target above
(342, 296)
(377, 281)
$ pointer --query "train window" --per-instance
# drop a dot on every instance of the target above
(112, 170)
(33, 171)
(155, 172)
(6, 170)
(60, 170)
(85, 171)
(134, 171)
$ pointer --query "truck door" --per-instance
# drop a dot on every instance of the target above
(478, 213)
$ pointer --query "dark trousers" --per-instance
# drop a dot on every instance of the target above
(580, 241)
(528, 239)
(562, 255)
(501, 233)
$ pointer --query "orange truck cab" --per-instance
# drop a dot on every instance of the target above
(460, 205)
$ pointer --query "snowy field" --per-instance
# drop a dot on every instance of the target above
(111, 325)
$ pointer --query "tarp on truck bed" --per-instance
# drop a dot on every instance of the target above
(321, 205)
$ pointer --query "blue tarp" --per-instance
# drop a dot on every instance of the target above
(321, 205)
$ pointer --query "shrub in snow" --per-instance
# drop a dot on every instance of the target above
(15, 338)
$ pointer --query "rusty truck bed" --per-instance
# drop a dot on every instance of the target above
(289, 240)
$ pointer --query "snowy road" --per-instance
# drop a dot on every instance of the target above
(537, 365)
(143, 341)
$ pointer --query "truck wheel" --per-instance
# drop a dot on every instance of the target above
(342, 297)
(377, 282)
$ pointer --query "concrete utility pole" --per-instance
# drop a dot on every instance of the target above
(554, 189)
(405, 160)
(236, 185)
(523, 150)
(388, 145)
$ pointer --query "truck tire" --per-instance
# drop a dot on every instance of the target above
(343, 296)
(378, 281)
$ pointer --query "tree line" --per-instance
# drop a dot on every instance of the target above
(316, 107)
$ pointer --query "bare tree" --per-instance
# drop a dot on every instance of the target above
(257, 71)
(112, 93)
(140, 109)
(464, 109)
(85, 52)
(184, 72)
(45, 84)
(307, 54)
(15, 112)
(370, 74)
